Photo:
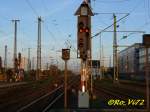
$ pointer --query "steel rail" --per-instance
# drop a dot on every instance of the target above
(57, 98)
(40, 98)
(44, 96)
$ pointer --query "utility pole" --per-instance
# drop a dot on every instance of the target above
(47, 66)
(15, 44)
(110, 62)
(5, 60)
(32, 63)
(115, 63)
(29, 61)
(0, 64)
(146, 46)
(100, 45)
(103, 62)
(147, 78)
(39, 49)
(24, 62)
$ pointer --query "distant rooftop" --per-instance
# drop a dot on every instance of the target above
(133, 45)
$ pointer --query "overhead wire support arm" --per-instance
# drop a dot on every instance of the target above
(110, 25)
(128, 31)
(110, 13)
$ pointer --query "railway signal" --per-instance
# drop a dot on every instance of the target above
(65, 57)
(65, 54)
(84, 14)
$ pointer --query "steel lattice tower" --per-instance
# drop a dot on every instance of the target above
(39, 48)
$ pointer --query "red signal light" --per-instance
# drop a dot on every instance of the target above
(86, 30)
(81, 30)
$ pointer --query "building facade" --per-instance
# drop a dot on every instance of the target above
(142, 57)
(129, 60)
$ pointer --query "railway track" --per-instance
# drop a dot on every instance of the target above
(119, 90)
(113, 93)
(12, 98)
(9, 85)
(107, 94)
(45, 102)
